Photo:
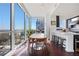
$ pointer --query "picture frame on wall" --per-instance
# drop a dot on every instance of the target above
(53, 22)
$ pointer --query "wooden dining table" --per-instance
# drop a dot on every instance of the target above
(38, 35)
(37, 38)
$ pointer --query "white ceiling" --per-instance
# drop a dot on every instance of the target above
(67, 10)
(40, 9)
(45, 9)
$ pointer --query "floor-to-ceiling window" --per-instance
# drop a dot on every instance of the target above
(5, 40)
(18, 24)
(33, 24)
(12, 26)
(27, 25)
(37, 24)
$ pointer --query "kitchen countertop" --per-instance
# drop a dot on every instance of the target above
(67, 32)
(64, 35)
(68, 36)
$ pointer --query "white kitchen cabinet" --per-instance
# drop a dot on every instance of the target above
(68, 36)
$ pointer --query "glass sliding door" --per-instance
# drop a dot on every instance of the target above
(5, 41)
(19, 24)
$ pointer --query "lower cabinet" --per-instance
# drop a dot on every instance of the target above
(76, 43)
(59, 41)
(64, 40)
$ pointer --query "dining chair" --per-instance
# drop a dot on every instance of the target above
(37, 45)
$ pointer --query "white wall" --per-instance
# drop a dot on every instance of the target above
(47, 25)
(49, 28)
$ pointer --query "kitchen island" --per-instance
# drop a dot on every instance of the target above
(67, 37)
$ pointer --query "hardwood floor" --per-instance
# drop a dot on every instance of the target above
(58, 51)
(51, 50)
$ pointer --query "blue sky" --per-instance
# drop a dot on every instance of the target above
(4, 16)
(18, 14)
(18, 17)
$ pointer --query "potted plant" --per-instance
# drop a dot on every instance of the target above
(29, 32)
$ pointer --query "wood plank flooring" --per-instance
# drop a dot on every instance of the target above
(51, 50)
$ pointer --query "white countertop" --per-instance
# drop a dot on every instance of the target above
(62, 34)
(68, 32)
(69, 39)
